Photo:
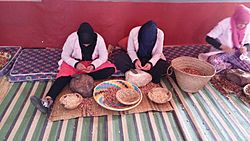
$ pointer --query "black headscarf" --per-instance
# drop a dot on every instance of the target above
(147, 38)
(86, 35)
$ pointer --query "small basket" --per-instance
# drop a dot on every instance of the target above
(246, 90)
(159, 95)
(192, 82)
(127, 96)
(70, 101)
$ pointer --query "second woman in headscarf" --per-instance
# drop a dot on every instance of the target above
(144, 51)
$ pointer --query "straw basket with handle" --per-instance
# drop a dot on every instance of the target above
(189, 82)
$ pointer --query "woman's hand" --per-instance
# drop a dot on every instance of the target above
(80, 66)
(146, 67)
(89, 69)
(227, 49)
(138, 64)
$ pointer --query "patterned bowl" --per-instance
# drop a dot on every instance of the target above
(105, 94)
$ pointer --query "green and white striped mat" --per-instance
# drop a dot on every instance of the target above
(206, 115)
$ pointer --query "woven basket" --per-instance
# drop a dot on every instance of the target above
(191, 82)
(159, 95)
(70, 101)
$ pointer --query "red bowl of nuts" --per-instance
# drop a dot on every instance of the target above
(246, 90)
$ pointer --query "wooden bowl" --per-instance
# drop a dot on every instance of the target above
(70, 101)
(246, 90)
(127, 96)
(159, 95)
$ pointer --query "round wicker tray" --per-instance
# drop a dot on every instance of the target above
(127, 96)
(70, 101)
(159, 95)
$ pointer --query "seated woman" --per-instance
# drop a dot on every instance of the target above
(232, 37)
(83, 52)
(144, 51)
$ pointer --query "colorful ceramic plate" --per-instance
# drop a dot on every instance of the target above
(101, 91)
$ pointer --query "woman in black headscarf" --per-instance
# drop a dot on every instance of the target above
(144, 51)
(83, 52)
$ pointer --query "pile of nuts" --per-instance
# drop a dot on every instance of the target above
(193, 71)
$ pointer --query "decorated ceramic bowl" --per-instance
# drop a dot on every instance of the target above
(105, 94)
